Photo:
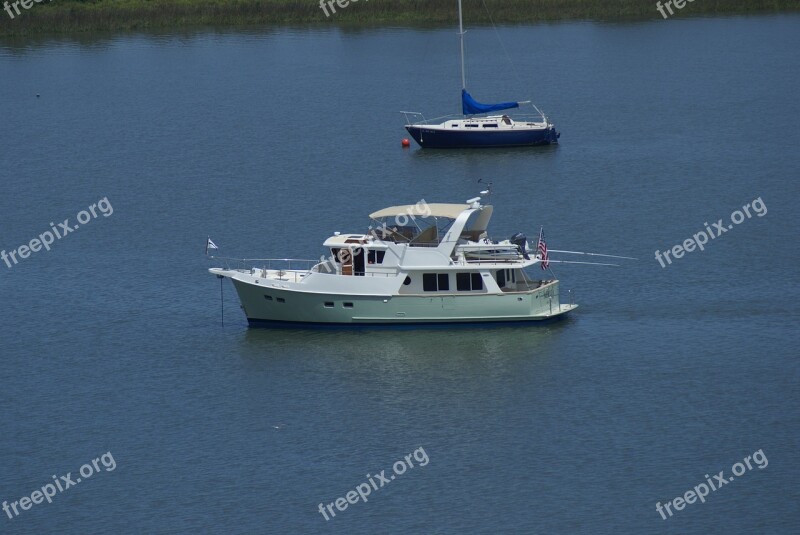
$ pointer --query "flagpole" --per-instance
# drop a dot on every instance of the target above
(539, 243)
(221, 301)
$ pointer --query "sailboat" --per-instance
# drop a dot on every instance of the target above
(475, 129)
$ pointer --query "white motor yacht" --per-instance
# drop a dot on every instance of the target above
(419, 264)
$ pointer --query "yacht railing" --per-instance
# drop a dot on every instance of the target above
(529, 118)
(414, 118)
(372, 274)
(414, 114)
(290, 269)
(423, 120)
(287, 264)
(487, 259)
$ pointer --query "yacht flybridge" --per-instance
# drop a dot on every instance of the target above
(419, 264)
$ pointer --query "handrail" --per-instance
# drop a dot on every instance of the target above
(526, 117)
(264, 265)
(262, 259)
(412, 113)
(247, 263)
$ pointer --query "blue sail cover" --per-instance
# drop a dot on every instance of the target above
(470, 106)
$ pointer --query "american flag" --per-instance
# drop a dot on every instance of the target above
(542, 247)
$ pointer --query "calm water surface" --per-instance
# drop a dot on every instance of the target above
(270, 140)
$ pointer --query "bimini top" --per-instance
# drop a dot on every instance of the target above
(451, 211)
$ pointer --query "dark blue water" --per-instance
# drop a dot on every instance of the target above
(271, 140)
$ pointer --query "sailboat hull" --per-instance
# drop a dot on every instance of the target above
(440, 138)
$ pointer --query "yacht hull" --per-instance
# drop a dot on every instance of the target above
(265, 306)
(440, 138)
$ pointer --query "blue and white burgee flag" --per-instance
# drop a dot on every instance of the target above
(210, 245)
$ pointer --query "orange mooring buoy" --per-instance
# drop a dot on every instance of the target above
(406, 142)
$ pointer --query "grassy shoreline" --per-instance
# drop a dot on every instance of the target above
(74, 16)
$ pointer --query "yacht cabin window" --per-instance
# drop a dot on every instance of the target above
(466, 282)
(433, 282)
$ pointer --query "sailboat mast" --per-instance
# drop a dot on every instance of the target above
(461, 35)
